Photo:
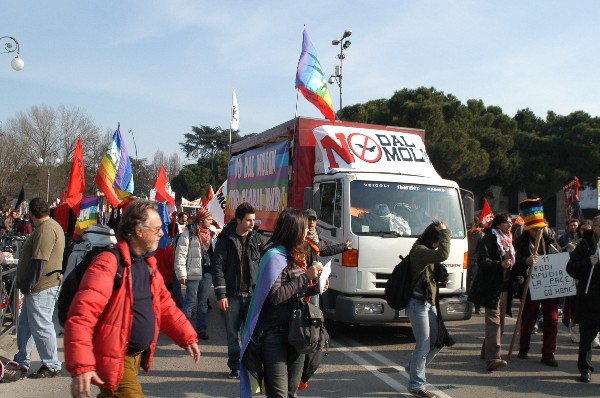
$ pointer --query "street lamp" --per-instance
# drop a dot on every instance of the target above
(214, 149)
(49, 162)
(337, 77)
(17, 63)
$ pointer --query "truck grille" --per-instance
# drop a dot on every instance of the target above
(381, 279)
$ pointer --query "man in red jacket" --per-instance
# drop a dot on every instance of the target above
(98, 352)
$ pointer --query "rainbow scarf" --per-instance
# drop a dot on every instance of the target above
(272, 264)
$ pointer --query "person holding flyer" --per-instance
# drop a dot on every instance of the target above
(586, 310)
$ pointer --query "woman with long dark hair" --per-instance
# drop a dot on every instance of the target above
(283, 278)
(431, 248)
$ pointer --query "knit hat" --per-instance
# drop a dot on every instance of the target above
(202, 215)
(533, 213)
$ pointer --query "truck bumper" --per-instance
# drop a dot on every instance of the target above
(372, 310)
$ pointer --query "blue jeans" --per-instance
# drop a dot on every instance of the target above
(235, 316)
(196, 295)
(423, 318)
(176, 293)
(282, 364)
(36, 326)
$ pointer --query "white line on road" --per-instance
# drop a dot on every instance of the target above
(347, 346)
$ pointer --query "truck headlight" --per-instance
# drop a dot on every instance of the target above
(457, 307)
(368, 308)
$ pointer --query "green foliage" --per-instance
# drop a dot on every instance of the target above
(479, 145)
(192, 182)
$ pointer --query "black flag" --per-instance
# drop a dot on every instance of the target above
(20, 199)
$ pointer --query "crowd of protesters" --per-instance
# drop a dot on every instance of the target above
(201, 255)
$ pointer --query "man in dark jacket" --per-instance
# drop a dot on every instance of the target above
(492, 286)
(586, 312)
(234, 269)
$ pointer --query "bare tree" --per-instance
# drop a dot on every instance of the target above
(73, 122)
(173, 165)
(158, 161)
(38, 127)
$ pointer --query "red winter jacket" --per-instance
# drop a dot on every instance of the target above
(99, 322)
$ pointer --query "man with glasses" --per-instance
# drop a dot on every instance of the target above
(582, 266)
(99, 347)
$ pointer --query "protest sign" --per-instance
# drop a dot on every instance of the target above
(549, 277)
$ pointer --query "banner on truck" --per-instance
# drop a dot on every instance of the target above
(259, 177)
(352, 149)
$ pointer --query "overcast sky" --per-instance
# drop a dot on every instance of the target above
(161, 67)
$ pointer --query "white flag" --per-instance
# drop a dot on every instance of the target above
(235, 113)
(216, 205)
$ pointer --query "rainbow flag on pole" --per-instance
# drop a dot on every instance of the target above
(88, 214)
(311, 81)
(115, 175)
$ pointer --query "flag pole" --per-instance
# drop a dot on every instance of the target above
(538, 238)
(297, 95)
(587, 287)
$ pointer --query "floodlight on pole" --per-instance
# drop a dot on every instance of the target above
(337, 76)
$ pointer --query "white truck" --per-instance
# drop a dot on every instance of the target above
(374, 185)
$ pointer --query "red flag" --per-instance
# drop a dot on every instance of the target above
(77, 179)
(519, 220)
(487, 215)
(204, 202)
(211, 194)
(163, 188)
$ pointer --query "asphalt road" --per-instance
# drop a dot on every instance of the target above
(362, 362)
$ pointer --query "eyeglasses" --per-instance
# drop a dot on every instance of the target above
(156, 230)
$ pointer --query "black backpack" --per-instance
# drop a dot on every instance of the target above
(398, 289)
(77, 260)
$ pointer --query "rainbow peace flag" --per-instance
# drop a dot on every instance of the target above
(88, 214)
(115, 175)
(311, 81)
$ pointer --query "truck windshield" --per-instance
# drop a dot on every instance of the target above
(403, 209)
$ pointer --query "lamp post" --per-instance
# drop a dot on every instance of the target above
(11, 45)
(48, 162)
(337, 77)
(214, 149)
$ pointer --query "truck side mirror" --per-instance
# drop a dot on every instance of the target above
(468, 205)
(312, 199)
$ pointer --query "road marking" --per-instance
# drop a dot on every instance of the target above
(346, 346)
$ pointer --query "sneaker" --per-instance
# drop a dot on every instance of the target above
(535, 330)
(45, 372)
(423, 393)
(496, 364)
(596, 343)
(523, 355)
(234, 374)
(302, 386)
(574, 331)
(203, 336)
(585, 377)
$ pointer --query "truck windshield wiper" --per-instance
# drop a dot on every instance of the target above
(383, 234)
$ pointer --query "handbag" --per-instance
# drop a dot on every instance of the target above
(307, 333)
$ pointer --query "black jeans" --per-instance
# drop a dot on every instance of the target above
(282, 364)
(588, 329)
